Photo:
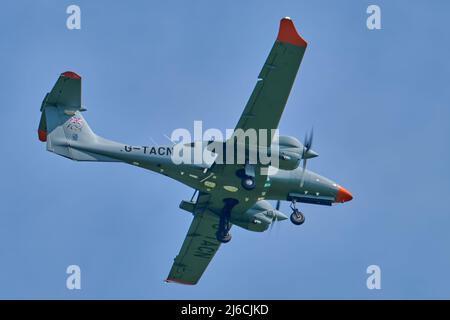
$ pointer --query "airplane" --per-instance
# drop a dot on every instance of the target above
(224, 194)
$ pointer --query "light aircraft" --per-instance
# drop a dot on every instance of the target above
(225, 194)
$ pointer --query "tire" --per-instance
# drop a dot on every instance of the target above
(224, 238)
(248, 183)
(297, 218)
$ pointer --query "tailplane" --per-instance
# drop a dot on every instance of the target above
(62, 126)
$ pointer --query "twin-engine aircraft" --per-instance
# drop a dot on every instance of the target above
(225, 194)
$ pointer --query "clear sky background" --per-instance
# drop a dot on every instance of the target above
(378, 102)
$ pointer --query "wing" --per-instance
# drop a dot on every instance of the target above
(269, 97)
(199, 246)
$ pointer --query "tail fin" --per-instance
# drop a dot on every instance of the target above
(63, 127)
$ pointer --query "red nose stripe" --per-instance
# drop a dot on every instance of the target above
(343, 195)
(289, 34)
(42, 135)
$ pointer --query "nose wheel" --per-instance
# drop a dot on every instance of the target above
(296, 217)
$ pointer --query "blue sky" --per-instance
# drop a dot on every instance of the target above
(378, 101)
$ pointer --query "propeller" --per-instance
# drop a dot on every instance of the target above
(306, 147)
(274, 216)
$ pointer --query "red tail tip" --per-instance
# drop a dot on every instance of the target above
(289, 34)
(42, 135)
(71, 75)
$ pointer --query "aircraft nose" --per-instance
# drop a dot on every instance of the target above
(343, 195)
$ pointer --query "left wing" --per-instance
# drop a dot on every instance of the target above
(199, 246)
(269, 97)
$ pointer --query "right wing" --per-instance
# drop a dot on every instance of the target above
(199, 246)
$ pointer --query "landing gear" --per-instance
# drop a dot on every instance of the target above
(224, 238)
(223, 232)
(248, 183)
(297, 217)
(247, 176)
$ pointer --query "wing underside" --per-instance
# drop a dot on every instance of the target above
(199, 246)
(268, 99)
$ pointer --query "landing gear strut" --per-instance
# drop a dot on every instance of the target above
(223, 232)
(297, 217)
(247, 176)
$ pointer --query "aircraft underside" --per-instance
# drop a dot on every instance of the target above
(226, 194)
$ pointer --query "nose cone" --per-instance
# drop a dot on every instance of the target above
(311, 154)
(343, 195)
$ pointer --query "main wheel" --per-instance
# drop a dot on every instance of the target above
(297, 218)
(223, 238)
(248, 183)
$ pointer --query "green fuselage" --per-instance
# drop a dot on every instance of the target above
(281, 185)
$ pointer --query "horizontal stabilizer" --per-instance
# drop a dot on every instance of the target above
(64, 128)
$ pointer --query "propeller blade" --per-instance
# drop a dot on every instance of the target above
(302, 180)
(305, 142)
(306, 148)
(274, 215)
(309, 140)
(274, 219)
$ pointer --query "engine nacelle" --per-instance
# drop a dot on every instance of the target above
(259, 217)
(289, 152)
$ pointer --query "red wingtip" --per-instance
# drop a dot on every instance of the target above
(71, 75)
(42, 135)
(289, 34)
(179, 281)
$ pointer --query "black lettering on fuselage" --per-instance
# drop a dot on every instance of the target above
(161, 151)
